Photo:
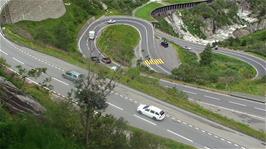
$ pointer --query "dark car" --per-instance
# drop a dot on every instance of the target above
(164, 44)
(106, 60)
(95, 59)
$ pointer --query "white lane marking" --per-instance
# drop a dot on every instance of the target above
(60, 81)
(216, 136)
(3, 52)
(206, 147)
(262, 118)
(189, 92)
(32, 81)
(222, 139)
(17, 60)
(115, 106)
(179, 135)
(212, 97)
(260, 109)
(197, 128)
(202, 131)
(209, 134)
(229, 142)
(236, 103)
(208, 91)
(145, 120)
(235, 144)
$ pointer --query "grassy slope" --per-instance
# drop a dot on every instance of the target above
(26, 132)
(118, 42)
(220, 67)
(145, 85)
(144, 12)
(254, 43)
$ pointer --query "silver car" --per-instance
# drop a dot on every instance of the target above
(73, 75)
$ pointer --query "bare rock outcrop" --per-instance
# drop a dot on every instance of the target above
(34, 10)
(16, 101)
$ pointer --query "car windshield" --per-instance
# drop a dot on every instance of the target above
(161, 112)
(145, 107)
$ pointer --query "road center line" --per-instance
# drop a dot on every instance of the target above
(115, 106)
(260, 109)
(17, 60)
(60, 81)
(212, 97)
(179, 135)
(189, 92)
(3, 52)
(236, 103)
(145, 120)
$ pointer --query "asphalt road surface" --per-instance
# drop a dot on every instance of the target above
(178, 125)
(255, 110)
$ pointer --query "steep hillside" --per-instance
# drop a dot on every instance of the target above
(61, 33)
(219, 20)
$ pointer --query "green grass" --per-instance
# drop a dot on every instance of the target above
(60, 127)
(144, 12)
(145, 85)
(254, 42)
(119, 42)
(215, 75)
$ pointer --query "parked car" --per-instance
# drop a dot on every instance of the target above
(95, 59)
(73, 75)
(111, 21)
(106, 60)
(164, 44)
(151, 111)
(91, 35)
(216, 47)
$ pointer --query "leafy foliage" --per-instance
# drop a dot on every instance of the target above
(219, 12)
(214, 70)
(254, 43)
(206, 56)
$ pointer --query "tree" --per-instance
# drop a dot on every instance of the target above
(206, 56)
(89, 96)
(24, 73)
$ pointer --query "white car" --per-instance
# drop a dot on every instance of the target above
(91, 35)
(111, 21)
(114, 68)
(151, 111)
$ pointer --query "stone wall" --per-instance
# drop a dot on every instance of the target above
(34, 10)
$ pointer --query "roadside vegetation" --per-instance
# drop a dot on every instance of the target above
(150, 86)
(144, 11)
(61, 33)
(219, 13)
(133, 79)
(217, 71)
(62, 126)
(254, 43)
(119, 42)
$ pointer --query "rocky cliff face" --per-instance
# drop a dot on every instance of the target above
(221, 20)
(16, 101)
(35, 10)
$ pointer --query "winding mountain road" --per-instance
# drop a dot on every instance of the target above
(179, 124)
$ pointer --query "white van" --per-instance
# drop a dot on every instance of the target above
(91, 35)
(151, 111)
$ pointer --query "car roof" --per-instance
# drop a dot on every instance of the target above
(74, 72)
(155, 109)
